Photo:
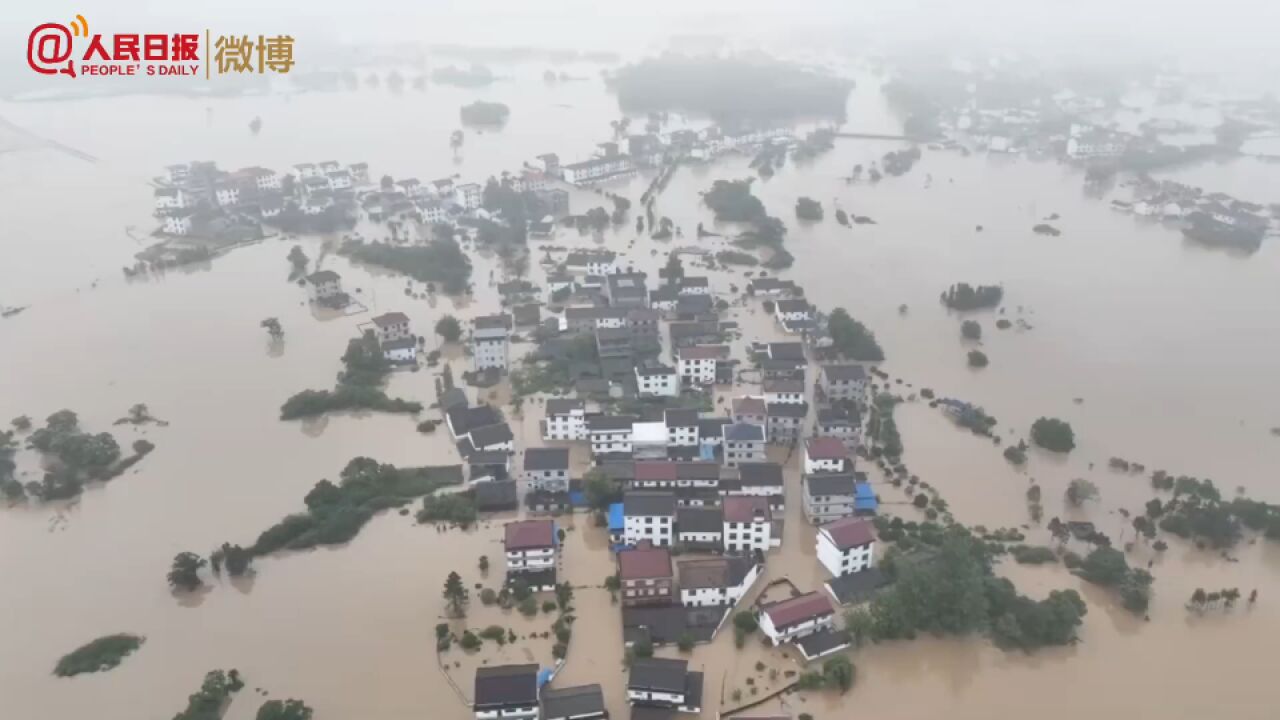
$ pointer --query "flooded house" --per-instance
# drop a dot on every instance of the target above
(566, 419)
(829, 496)
(583, 702)
(650, 517)
(600, 262)
(649, 440)
(489, 438)
(698, 365)
(657, 380)
(530, 547)
(796, 617)
(700, 528)
(627, 290)
(716, 582)
(783, 391)
(645, 575)
(748, 524)
(757, 479)
(743, 443)
(682, 428)
(664, 683)
(826, 455)
(547, 469)
(844, 382)
(839, 423)
(509, 692)
(785, 421)
(772, 287)
(750, 410)
(611, 436)
(490, 342)
(325, 286)
(846, 546)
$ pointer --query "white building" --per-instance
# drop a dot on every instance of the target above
(844, 382)
(433, 212)
(177, 224)
(547, 469)
(170, 198)
(796, 617)
(506, 692)
(697, 364)
(566, 420)
(792, 311)
(339, 179)
(307, 171)
(324, 284)
(783, 391)
(743, 443)
(658, 381)
(262, 178)
(227, 194)
(469, 195)
(400, 350)
(682, 427)
(649, 516)
(664, 683)
(715, 582)
(601, 262)
(846, 546)
(489, 342)
(392, 326)
(748, 524)
(610, 434)
(530, 545)
(596, 169)
(825, 455)
(700, 528)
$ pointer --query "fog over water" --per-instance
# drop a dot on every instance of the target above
(1156, 349)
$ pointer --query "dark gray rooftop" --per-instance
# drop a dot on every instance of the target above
(546, 459)
(638, 504)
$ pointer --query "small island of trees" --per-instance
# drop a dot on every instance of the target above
(99, 655)
(359, 386)
(1053, 434)
(484, 113)
(852, 339)
(808, 209)
(963, 296)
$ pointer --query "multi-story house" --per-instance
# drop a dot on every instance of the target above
(700, 528)
(170, 198)
(547, 469)
(844, 382)
(582, 702)
(227, 193)
(757, 479)
(748, 524)
(178, 223)
(826, 455)
(645, 576)
(750, 409)
(716, 582)
(687, 334)
(610, 435)
(796, 617)
(649, 516)
(566, 420)
(489, 342)
(837, 423)
(773, 287)
(627, 289)
(506, 692)
(783, 391)
(359, 172)
(785, 421)
(846, 546)
(649, 440)
(601, 262)
(682, 427)
(339, 179)
(530, 545)
(469, 195)
(596, 169)
(392, 326)
(743, 443)
(663, 683)
(489, 438)
(699, 364)
(793, 312)
(653, 380)
(829, 496)
(695, 285)
(324, 285)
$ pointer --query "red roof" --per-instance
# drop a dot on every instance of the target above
(655, 470)
(826, 448)
(798, 609)
(745, 508)
(529, 535)
(644, 563)
(850, 533)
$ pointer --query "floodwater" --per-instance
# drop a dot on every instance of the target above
(1156, 350)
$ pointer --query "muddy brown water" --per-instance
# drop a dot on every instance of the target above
(1171, 348)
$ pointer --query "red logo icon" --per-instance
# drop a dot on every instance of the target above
(49, 47)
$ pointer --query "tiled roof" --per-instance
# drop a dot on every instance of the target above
(798, 609)
(850, 533)
(529, 535)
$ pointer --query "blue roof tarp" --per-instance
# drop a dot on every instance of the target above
(577, 498)
(544, 676)
(865, 498)
(616, 523)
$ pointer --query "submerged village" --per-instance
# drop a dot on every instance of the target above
(682, 479)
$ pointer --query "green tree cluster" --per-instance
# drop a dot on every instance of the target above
(1053, 434)
(852, 339)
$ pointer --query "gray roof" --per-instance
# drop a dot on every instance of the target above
(506, 685)
(856, 587)
(491, 435)
(655, 370)
(680, 417)
(790, 410)
(699, 520)
(639, 504)
(777, 386)
(562, 406)
(661, 674)
(697, 470)
(744, 432)
(790, 306)
(786, 350)
(496, 495)
(610, 422)
(844, 373)
(829, 484)
(546, 459)
(712, 426)
(465, 419)
(760, 474)
(572, 701)
(453, 397)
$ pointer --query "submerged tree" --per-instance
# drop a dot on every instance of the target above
(185, 573)
(455, 594)
(273, 328)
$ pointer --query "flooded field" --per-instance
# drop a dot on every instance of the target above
(1154, 349)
